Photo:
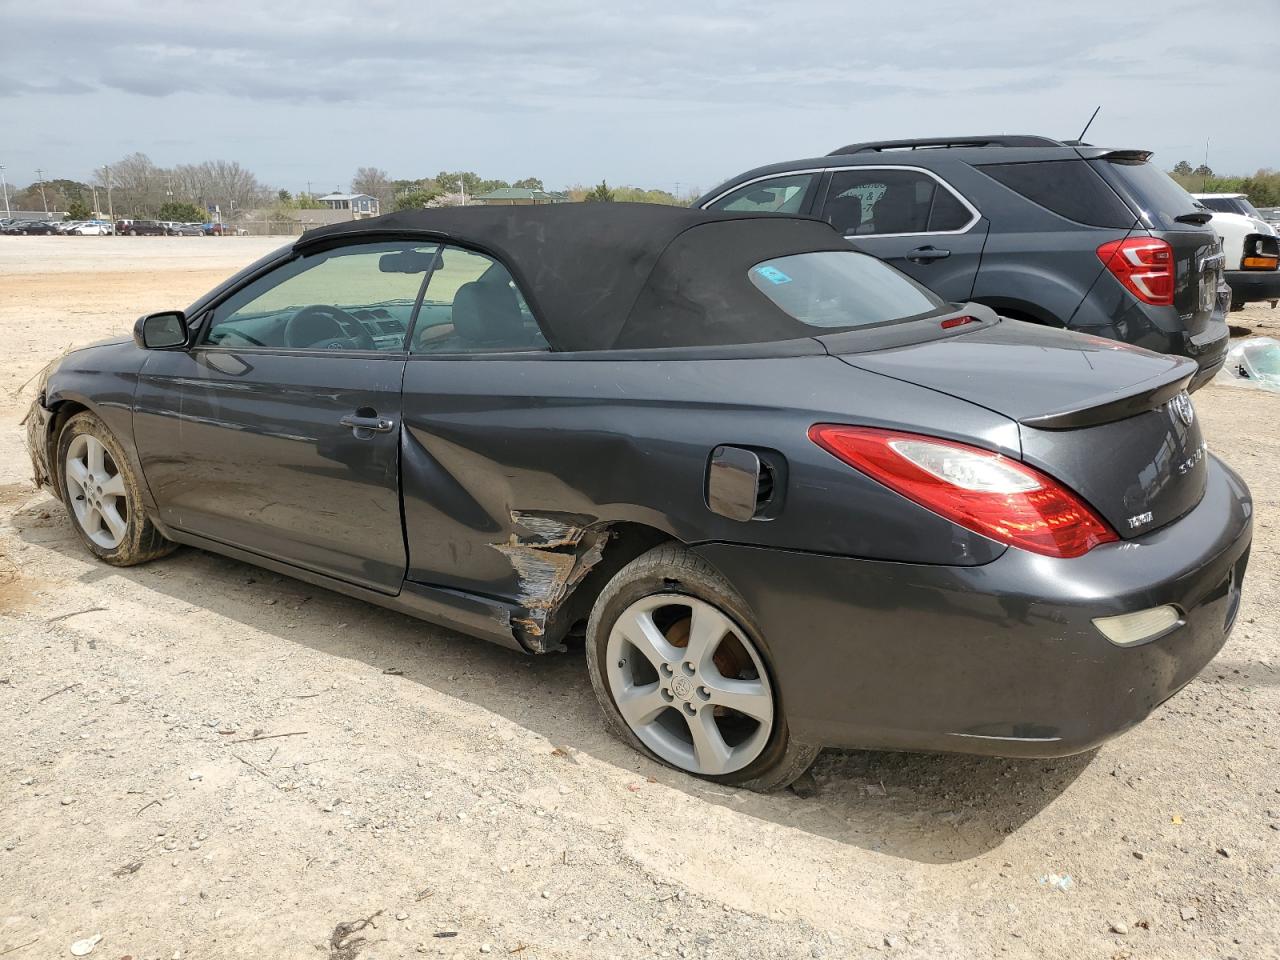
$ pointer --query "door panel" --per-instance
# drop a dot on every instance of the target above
(947, 265)
(248, 448)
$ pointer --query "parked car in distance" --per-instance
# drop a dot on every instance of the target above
(212, 229)
(785, 495)
(1236, 203)
(142, 228)
(188, 230)
(1249, 245)
(1021, 224)
(88, 228)
(32, 228)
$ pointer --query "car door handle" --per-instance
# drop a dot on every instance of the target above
(927, 254)
(364, 427)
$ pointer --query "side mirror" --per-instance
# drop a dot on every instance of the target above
(161, 331)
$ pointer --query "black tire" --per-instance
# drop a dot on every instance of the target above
(1236, 305)
(672, 569)
(141, 540)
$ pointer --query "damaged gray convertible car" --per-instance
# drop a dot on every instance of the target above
(784, 495)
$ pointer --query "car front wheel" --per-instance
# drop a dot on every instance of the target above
(682, 674)
(102, 496)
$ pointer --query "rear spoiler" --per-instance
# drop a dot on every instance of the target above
(1115, 156)
(1151, 395)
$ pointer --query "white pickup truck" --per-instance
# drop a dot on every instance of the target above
(1250, 245)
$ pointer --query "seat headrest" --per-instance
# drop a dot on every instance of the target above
(487, 313)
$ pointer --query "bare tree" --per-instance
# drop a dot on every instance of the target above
(221, 183)
(376, 183)
(138, 185)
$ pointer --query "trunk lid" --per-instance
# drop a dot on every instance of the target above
(1109, 420)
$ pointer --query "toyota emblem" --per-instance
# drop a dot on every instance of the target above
(1181, 405)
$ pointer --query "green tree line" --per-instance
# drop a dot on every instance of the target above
(1262, 188)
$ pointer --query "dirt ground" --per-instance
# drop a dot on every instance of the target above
(423, 793)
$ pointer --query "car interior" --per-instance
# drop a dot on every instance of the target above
(463, 302)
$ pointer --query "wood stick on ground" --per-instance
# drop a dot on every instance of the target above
(271, 736)
(70, 686)
(75, 613)
(259, 770)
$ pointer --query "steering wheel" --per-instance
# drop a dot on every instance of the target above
(323, 326)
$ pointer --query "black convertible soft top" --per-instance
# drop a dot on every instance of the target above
(601, 276)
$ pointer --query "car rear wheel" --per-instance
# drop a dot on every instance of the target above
(102, 495)
(682, 674)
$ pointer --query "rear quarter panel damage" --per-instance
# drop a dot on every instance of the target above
(514, 470)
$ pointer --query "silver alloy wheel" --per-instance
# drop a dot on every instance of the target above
(675, 698)
(96, 491)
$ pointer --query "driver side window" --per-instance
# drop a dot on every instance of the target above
(358, 297)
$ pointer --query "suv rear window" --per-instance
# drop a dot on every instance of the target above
(1155, 192)
(1068, 188)
(842, 289)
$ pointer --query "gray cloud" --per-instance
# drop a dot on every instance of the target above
(575, 89)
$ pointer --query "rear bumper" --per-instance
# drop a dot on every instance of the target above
(1208, 348)
(1253, 285)
(999, 659)
(1113, 313)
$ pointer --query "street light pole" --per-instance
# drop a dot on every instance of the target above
(40, 180)
(4, 188)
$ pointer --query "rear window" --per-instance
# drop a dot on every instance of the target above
(1068, 188)
(842, 289)
(1159, 198)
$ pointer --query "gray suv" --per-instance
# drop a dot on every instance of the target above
(1066, 234)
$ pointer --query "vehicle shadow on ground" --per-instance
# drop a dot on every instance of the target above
(923, 807)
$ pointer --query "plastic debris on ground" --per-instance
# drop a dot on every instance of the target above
(1254, 362)
(1063, 883)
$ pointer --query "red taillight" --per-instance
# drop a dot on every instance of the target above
(1144, 265)
(982, 491)
(952, 322)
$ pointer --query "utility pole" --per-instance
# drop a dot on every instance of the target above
(462, 187)
(111, 210)
(4, 188)
(40, 180)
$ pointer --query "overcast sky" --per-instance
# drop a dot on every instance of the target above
(652, 94)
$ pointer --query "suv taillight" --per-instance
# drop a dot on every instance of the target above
(1144, 265)
(981, 491)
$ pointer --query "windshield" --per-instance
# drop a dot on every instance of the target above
(1231, 205)
(833, 289)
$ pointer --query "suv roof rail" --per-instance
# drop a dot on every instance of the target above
(998, 140)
